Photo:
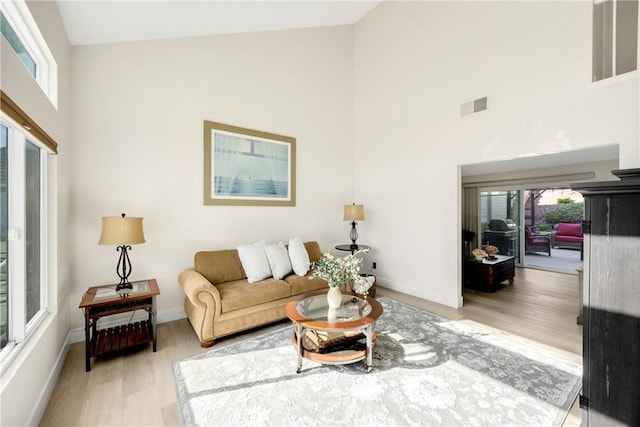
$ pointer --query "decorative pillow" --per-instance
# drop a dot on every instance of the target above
(254, 261)
(279, 261)
(299, 256)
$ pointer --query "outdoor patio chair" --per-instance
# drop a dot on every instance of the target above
(536, 243)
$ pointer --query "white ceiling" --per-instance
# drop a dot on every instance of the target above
(111, 21)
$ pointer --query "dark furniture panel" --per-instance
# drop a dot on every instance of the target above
(488, 275)
(611, 312)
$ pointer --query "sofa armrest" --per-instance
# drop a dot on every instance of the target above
(204, 298)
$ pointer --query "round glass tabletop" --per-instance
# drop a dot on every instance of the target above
(316, 308)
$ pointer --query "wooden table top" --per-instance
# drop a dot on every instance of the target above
(106, 294)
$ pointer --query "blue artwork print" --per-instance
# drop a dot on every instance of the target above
(246, 167)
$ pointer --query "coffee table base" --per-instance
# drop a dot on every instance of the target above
(342, 356)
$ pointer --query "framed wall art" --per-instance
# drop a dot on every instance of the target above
(248, 167)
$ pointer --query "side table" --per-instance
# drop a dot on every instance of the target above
(348, 248)
(101, 301)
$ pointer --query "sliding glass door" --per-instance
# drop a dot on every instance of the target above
(500, 221)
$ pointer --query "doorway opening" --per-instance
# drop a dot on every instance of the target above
(540, 227)
(549, 214)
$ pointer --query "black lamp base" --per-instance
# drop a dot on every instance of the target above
(353, 236)
(125, 285)
(123, 268)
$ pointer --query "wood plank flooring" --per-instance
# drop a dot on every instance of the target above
(137, 388)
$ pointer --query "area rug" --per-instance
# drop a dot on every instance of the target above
(427, 371)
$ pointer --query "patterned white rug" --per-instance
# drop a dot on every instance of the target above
(427, 371)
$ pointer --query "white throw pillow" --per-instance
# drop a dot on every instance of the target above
(299, 256)
(278, 260)
(254, 261)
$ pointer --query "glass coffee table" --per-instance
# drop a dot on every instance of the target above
(334, 336)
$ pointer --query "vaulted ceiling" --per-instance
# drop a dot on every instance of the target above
(96, 22)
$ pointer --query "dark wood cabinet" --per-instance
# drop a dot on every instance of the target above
(488, 274)
(611, 301)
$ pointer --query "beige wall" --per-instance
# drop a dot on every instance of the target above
(25, 385)
(138, 112)
(415, 64)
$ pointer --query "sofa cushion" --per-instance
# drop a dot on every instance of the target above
(566, 229)
(241, 294)
(278, 260)
(572, 239)
(299, 256)
(304, 284)
(219, 266)
(254, 261)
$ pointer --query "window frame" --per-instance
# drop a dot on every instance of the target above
(609, 60)
(21, 21)
(20, 330)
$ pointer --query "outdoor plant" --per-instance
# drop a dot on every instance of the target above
(564, 212)
(564, 200)
(337, 271)
(543, 227)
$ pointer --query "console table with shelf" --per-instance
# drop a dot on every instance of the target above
(102, 301)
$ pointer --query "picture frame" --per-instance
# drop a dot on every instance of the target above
(247, 167)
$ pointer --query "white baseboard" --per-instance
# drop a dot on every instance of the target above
(50, 385)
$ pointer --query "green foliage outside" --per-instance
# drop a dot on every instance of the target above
(565, 200)
(564, 212)
(543, 227)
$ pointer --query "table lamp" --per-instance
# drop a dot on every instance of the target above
(353, 213)
(123, 232)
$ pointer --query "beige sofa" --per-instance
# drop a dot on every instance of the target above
(220, 301)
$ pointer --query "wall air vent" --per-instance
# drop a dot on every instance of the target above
(474, 106)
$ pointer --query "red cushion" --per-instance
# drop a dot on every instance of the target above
(574, 239)
(570, 229)
(539, 241)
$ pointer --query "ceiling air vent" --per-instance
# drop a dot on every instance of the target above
(474, 106)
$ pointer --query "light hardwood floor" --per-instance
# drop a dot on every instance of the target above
(137, 388)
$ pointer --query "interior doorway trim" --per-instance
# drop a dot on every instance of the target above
(514, 182)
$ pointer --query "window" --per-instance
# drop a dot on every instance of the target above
(17, 45)
(615, 38)
(21, 32)
(23, 284)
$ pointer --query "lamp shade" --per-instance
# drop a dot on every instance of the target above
(353, 212)
(121, 230)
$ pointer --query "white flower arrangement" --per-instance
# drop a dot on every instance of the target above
(363, 284)
(337, 271)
